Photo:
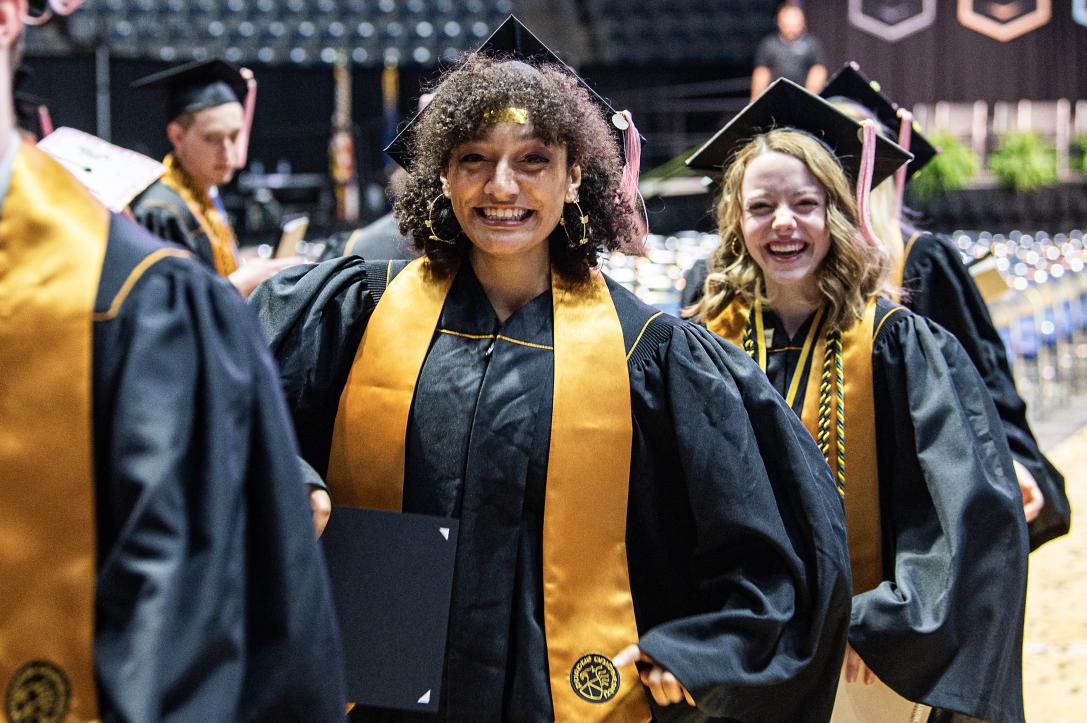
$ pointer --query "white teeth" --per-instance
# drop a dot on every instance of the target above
(786, 248)
(505, 214)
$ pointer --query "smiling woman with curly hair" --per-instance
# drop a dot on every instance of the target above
(630, 490)
(562, 113)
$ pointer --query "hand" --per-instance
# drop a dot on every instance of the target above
(855, 667)
(252, 272)
(321, 505)
(1033, 501)
(664, 686)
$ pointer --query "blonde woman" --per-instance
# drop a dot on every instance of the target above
(937, 285)
(937, 541)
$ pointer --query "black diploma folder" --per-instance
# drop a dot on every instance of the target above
(392, 576)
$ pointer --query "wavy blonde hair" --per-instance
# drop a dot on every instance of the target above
(852, 272)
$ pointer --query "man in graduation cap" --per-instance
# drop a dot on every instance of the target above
(209, 130)
(157, 555)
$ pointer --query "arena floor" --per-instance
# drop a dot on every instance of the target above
(1055, 648)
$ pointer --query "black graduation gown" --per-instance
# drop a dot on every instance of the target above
(945, 627)
(379, 240)
(939, 287)
(162, 211)
(212, 601)
(736, 556)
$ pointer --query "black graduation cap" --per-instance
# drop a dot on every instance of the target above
(513, 38)
(851, 83)
(197, 85)
(28, 107)
(786, 105)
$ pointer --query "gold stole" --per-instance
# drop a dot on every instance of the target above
(50, 264)
(588, 609)
(224, 245)
(858, 420)
(897, 273)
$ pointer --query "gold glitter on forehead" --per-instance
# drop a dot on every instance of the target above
(506, 115)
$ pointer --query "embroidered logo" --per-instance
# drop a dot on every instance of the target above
(595, 678)
(38, 693)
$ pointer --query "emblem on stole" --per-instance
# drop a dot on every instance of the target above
(595, 678)
(37, 693)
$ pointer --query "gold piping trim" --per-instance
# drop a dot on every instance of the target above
(388, 274)
(885, 318)
(526, 343)
(641, 334)
(784, 348)
(492, 337)
(477, 337)
(134, 276)
(351, 244)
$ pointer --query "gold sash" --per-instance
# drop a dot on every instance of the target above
(588, 610)
(224, 245)
(858, 419)
(49, 271)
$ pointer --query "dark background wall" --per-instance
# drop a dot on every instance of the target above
(947, 61)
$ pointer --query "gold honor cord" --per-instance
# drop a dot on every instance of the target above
(805, 351)
(50, 263)
(862, 507)
(588, 609)
(221, 238)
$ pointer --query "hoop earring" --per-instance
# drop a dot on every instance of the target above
(584, 227)
(429, 223)
(736, 247)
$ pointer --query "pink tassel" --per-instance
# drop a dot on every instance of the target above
(247, 123)
(45, 120)
(864, 182)
(628, 186)
(905, 129)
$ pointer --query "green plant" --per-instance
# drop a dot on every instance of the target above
(952, 168)
(1024, 161)
(1079, 153)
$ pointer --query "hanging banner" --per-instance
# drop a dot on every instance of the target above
(892, 20)
(1004, 20)
(1079, 11)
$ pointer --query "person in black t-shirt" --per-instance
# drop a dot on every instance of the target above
(792, 52)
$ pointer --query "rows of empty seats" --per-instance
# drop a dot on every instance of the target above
(280, 31)
(680, 31)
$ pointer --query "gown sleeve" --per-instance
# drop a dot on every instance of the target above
(212, 599)
(162, 222)
(770, 563)
(940, 288)
(314, 317)
(945, 627)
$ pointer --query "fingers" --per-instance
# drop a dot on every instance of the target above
(630, 654)
(662, 684)
(321, 506)
(869, 676)
(664, 687)
(852, 665)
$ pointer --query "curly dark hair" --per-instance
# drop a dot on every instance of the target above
(561, 112)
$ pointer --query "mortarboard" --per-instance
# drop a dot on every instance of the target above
(852, 84)
(786, 105)
(113, 174)
(513, 38)
(197, 85)
(206, 84)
